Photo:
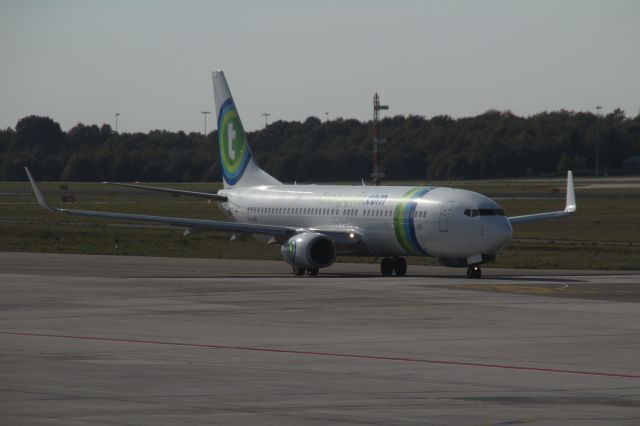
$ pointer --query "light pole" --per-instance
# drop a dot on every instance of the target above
(117, 115)
(266, 116)
(204, 115)
(327, 116)
(598, 108)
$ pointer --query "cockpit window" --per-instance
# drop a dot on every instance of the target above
(483, 212)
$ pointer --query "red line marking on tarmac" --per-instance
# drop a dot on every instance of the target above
(326, 354)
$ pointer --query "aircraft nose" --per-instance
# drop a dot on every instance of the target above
(497, 232)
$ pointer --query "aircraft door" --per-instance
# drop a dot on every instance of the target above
(444, 216)
(337, 218)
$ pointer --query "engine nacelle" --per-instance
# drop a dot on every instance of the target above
(309, 250)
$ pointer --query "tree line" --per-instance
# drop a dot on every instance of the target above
(491, 145)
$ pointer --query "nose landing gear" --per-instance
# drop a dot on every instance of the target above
(312, 272)
(474, 271)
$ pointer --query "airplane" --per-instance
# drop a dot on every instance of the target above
(315, 223)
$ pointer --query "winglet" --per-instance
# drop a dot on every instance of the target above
(570, 206)
(39, 197)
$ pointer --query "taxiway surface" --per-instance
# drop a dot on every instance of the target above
(141, 340)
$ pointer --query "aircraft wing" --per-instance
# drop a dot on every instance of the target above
(252, 228)
(569, 209)
(342, 237)
(208, 195)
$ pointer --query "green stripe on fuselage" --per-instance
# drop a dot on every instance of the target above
(403, 222)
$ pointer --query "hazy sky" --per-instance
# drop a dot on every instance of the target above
(150, 61)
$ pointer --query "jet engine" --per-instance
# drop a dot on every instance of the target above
(309, 250)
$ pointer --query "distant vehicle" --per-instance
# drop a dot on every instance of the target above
(314, 223)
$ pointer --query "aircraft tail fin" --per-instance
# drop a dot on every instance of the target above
(236, 159)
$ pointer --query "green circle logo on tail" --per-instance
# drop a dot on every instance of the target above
(232, 141)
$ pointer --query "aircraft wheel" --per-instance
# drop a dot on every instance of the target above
(386, 266)
(474, 272)
(312, 272)
(298, 271)
(399, 266)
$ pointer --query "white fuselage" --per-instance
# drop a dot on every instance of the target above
(392, 220)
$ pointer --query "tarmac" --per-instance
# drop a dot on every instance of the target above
(115, 340)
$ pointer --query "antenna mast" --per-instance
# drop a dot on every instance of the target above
(377, 174)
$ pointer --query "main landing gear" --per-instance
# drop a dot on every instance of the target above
(396, 264)
(474, 271)
(312, 272)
